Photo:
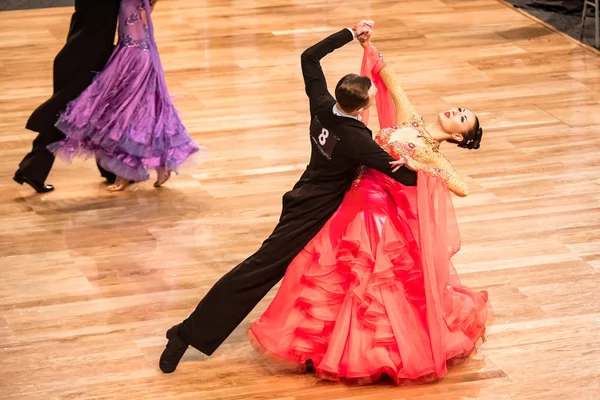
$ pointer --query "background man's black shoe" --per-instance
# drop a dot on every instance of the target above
(39, 187)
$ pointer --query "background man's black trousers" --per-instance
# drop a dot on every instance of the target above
(89, 45)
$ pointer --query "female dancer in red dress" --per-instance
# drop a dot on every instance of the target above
(375, 291)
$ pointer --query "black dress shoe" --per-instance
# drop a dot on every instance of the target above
(172, 354)
(37, 186)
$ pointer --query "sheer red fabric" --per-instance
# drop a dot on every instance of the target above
(375, 291)
(372, 63)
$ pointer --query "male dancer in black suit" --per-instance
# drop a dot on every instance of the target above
(341, 143)
(89, 45)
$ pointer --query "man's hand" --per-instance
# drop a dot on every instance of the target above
(396, 165)
(363, 30)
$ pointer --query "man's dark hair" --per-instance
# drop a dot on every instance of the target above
(352, 92)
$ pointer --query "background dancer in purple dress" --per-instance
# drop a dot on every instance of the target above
(125, 118)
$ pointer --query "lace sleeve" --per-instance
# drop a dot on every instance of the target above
(404, 108)
(427, 160)
(442, 168)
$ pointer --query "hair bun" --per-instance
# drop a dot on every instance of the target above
(473, 144)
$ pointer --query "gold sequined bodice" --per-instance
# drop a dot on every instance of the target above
(423, 153)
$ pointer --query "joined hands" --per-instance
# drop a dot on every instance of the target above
(363, 30)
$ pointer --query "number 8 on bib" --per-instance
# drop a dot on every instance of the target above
(323, 138)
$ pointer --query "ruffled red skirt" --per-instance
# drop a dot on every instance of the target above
(375, 293)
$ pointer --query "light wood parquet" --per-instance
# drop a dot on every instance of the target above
(91, 280)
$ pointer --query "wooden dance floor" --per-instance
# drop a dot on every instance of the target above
(90, 280)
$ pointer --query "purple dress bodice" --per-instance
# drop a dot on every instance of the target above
(134, 31)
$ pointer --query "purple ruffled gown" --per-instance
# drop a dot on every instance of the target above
(125, 118)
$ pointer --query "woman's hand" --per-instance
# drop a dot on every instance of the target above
(406, 162)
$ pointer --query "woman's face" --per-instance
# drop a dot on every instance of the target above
(456, 122)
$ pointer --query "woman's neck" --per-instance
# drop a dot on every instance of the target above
(437, 133)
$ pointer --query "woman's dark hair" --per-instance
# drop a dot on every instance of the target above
(471, 138)
(352, 92)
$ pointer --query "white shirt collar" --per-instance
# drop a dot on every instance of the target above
(340, 113)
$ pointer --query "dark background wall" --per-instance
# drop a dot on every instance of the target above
(27, 4)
